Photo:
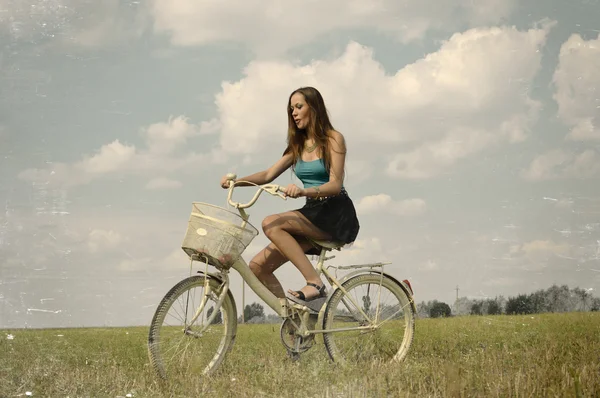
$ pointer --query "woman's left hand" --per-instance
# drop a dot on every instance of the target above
(293, 191)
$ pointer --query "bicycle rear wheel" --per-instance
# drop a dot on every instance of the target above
(386, 333)
(179, 347)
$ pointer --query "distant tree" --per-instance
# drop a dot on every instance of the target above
(218, 318)
(272, 318)
(477, 308)
(539, 302)
(257, 319)
(462, 306)
(423, 309)
(488, 306)
(582, 297)
(439, 309)
(366, 304)
(254, 310)
(521, 304)
(558, 298)
(494, 307)
(595, 306)
(387, 311)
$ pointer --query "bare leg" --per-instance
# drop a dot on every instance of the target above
(267, 261)
(281, 229)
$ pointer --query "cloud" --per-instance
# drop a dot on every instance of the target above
(100, 240)
(577, 79)
(357, 171)
(272, 27)
(432, 158)
(163, 183)
(367, 249)
(177, 259)
(430, 265)
(385, 203)
(469, 95)
(111, 157)
(540, 254)
(164, 143)
(164, 138)
(543, 247)
(135, 264)
(559, 163)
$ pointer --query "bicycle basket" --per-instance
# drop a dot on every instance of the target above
(216, 235)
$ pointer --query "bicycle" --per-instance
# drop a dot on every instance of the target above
(218, 237)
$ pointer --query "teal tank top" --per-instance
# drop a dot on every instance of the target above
(311, 173)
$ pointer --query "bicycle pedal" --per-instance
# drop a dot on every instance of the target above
(314, 306)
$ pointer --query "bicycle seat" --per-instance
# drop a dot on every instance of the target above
(327, 244)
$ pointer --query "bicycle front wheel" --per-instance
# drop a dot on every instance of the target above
(180, 342)
(374, 321)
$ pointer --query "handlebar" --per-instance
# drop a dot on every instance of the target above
(273, 189)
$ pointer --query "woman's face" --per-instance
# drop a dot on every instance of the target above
(300, 110)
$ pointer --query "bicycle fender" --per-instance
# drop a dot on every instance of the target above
(402, 285)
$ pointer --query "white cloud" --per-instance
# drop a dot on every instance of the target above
(272, 26)
(135, 264)
(100, 240)
(363, 250)
(470, 94)
(446, 106)
(163, 183)
(357, 171)
(430, 265)
(161, 154)
(163, 138)
(111, 157)
(384, 203)
(177, 259)
(539, 254)
(577, 81)
(543, 247)
(432, 158)
(559, 163)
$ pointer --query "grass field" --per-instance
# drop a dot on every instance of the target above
(550, 355)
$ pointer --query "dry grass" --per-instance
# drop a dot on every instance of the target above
(550, 355)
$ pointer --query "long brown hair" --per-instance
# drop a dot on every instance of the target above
(319, 126)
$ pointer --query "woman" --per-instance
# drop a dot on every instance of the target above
(316, 152)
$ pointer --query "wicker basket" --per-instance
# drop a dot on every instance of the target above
(216, 235)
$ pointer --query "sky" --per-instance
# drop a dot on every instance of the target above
(472, 129)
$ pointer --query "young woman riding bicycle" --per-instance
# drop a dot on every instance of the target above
(316, 152)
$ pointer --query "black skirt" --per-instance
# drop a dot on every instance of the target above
(334, 215)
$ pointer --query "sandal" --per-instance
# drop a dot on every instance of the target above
(320, 289)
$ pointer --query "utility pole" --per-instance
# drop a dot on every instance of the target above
(243, 299)
(456, 292)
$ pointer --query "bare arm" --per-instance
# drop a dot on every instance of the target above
(267, 176)
(337, 150)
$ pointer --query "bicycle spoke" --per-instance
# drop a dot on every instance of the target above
(176, 345)
(350, 336)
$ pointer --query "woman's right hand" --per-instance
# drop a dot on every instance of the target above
(225, 182)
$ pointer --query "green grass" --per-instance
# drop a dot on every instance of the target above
(550, 355)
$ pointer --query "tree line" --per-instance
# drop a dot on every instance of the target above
(554, 299)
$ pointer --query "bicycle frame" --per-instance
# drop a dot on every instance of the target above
(282, 306)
